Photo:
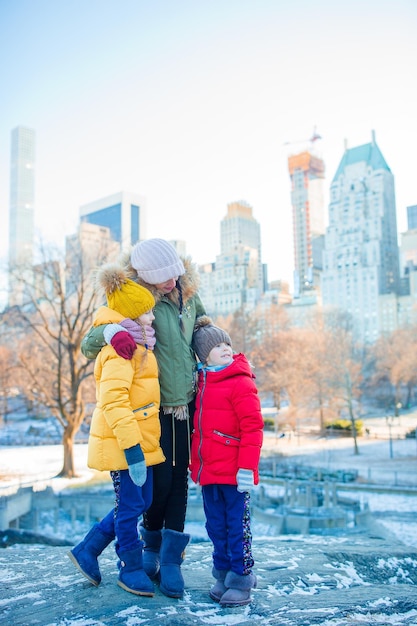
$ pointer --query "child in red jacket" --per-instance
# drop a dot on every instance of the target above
(225, 452)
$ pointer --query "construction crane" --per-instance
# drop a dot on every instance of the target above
(315, 136)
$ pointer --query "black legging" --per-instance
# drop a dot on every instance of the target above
(170, 482)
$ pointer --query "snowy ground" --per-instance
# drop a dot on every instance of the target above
(302, 581)
(373, 463)
(39, 464)
(297, 585)
(34, 462)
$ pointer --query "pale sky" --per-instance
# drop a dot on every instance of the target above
(190, 103)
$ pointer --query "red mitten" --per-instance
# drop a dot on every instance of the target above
(124, 344)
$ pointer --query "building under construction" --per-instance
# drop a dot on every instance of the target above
(307, 174)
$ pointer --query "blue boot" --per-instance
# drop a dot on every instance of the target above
(152, 544)
(84, 555)
(172, 555)
(132, 576)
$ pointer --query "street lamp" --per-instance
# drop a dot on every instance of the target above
(390, 421)
(398, 406)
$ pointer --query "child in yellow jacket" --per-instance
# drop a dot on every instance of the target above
(124, 435)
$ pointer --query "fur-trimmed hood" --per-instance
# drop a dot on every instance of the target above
(190, 281)
(173, 331)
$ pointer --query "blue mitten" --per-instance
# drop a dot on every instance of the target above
(245, 481)
(137, 466)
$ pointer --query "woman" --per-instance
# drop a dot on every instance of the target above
(155, 264)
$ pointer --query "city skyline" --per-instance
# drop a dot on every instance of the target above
(190, 105)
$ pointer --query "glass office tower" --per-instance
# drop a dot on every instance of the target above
(122, 213)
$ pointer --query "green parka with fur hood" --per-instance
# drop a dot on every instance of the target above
(175, 357)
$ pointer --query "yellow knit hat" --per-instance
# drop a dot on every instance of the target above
(122, 294)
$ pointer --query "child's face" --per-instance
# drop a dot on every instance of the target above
(146, 319)
(221, 354)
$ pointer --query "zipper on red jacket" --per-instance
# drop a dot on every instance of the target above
(200, 427)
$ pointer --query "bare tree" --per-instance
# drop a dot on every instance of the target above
(394, 362)
(56, 312)
(347, 360)
(267, 342)
(241, 328)
(319, 369)
(7, 382)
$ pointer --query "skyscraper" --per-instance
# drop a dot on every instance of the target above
(123, 213)
(307, 173)
(21, 210)
(412, 217)
(88, 248)
(361, 262)
(237, 278)
(22, 196)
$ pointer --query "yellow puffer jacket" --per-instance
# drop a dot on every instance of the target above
(127, 405)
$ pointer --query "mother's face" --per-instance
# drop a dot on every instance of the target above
(168, 285)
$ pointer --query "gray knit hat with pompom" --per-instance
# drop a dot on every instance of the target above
(206, 335)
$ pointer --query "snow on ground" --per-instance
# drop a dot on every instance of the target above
(38, 465)
(374, 462)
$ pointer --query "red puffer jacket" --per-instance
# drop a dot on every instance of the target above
(228, 425)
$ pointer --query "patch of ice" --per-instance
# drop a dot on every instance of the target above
(351, 576)
(314, 578)
(24, 596)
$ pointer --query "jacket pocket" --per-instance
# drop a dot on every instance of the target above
(145, 412)
(226, 440)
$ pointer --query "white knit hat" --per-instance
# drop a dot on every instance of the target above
(156, 261)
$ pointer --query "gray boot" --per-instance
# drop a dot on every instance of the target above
(172, 555)
(219, 588)
(238, 589)
(152, 544)
(84, 555)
